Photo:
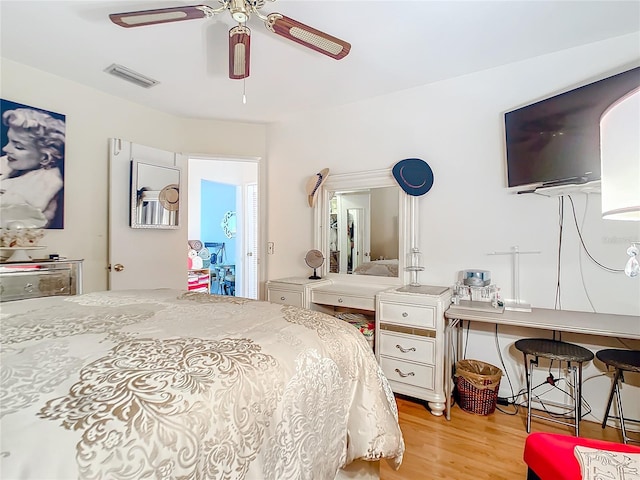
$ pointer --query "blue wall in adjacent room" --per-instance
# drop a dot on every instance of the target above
(217, 199)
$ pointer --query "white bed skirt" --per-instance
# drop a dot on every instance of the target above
(360, 470)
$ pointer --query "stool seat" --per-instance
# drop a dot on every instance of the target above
(554, 350)
(628, 360)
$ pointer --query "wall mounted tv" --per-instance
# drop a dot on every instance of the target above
(556, 141)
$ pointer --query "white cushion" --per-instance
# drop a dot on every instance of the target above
(603, 464)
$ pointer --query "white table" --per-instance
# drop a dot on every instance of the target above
(603, 324)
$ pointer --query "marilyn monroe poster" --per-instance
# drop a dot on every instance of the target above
(32, 162)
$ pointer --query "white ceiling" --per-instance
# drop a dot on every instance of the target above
(395, 45)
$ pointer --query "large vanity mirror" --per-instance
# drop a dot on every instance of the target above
(361, 227)
(155, 195)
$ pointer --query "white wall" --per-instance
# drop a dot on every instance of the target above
(457, 127)
(92, 117)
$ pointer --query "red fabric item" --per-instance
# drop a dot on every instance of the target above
(551, 456)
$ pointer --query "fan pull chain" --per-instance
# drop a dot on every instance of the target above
(244, 90)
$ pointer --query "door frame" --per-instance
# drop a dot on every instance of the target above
(261, 216)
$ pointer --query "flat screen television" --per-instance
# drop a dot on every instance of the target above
(556, 141)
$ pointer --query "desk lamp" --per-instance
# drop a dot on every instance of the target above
(620, 164)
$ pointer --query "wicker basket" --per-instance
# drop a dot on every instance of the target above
(477, 385)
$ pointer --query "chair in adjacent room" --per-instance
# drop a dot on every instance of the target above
(621, 361)
(574, 355)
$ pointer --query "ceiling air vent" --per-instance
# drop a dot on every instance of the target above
(131, 76)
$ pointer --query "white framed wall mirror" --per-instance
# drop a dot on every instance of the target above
(362, 228)
(155, 196)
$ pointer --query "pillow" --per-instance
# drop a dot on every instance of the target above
(598, 464)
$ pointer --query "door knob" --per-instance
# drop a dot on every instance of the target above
(250, 254)
(118, 267)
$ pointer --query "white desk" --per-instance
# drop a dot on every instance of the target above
(603, 324)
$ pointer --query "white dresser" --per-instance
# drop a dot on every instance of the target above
(410, 329)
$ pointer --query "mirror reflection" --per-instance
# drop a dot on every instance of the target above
(155, 195)
(364, 232)
(228, 224)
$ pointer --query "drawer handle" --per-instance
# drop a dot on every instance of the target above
(406, 350)
(28, 287)
(410, 374)
(339, 300)
(282, 298)
(405, 314)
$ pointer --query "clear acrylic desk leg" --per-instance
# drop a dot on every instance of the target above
(451, 357)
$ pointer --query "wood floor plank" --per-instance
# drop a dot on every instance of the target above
(470, 447)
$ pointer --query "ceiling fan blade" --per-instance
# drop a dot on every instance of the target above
(239, 50)
(161, 15)
(307, 36)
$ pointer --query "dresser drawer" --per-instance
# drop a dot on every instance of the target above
(338, 300)
(413, 315)
(285, 297)
(406, 372)
(407, 347)
(39, 283)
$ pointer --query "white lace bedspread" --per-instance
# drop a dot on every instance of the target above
(163, 384)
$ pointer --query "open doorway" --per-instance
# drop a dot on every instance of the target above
(223, 215)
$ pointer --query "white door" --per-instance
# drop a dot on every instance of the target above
(141, 257)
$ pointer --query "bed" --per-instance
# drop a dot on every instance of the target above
(379, 268)
(168, 384)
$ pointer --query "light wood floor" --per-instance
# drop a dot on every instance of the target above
(470, 447)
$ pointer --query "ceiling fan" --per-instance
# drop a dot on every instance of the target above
(240, 35)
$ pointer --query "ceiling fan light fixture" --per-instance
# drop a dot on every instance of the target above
(240, 17)
(239, 11)
(308, 36)
(239, 52)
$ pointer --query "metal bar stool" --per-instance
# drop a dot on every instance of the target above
(622, 361)
(555, 350)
